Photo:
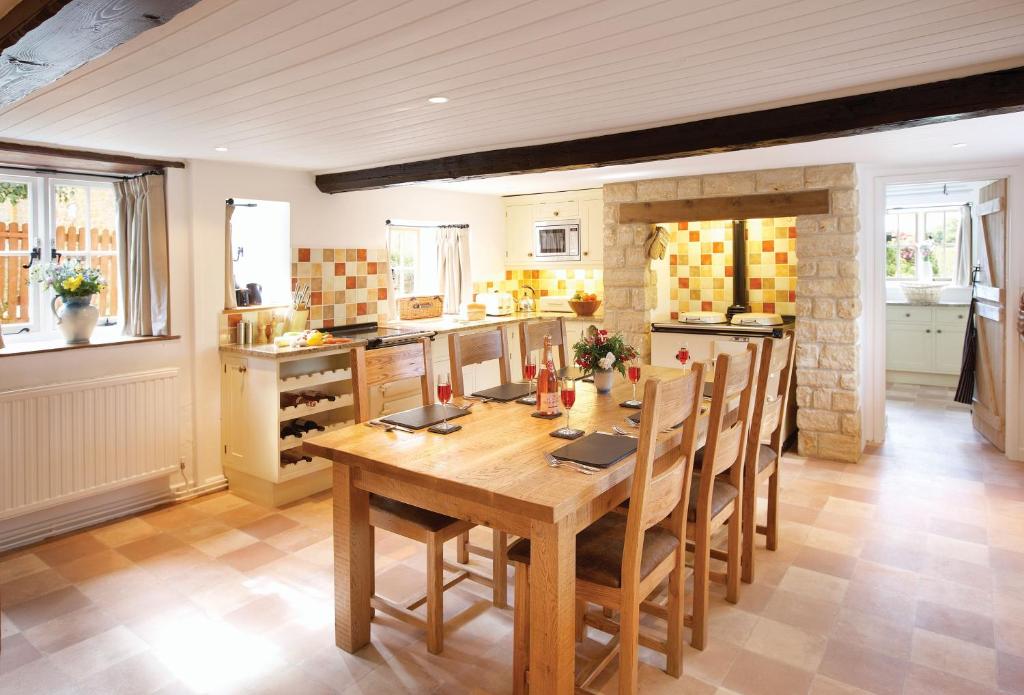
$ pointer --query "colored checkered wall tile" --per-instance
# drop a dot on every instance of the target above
(701, 265)
(545, 282)
(347, 285)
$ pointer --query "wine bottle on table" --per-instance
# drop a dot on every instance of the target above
(547, 382)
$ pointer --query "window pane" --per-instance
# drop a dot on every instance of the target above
(106, 301)
(102, 218)
(15, 224)
(70, 210)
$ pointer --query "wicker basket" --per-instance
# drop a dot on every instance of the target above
(922, 292)
(420, 307)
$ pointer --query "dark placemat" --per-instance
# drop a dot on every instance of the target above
(635, 419)
(542, 416)
(709, 388)
(424, 416)
(505, 392)
(597, 449)
(562, 433)
(635, 405)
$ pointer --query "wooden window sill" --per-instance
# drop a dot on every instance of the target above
(31, 347)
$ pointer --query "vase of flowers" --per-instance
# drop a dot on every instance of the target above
(601, 354)
(74, 284)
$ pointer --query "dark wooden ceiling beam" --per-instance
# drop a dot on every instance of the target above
(732, 207)
(43, 156)
(949, 100)
(42, 41)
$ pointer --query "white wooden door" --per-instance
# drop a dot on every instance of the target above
(989, 408)
(234, 420)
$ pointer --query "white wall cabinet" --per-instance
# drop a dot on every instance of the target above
(522, 211)
(924, 343)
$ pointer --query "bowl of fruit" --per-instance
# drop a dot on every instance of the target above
(584, 304)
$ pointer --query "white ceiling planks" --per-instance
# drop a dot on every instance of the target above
(324, 85)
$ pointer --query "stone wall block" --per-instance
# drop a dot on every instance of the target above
(845, 401)
(738, 183)
(824, 308)
(804, 396)
(807, 355)
(842, 357)
(817, 420)
(688, 187)
(826, 268)
(830, 176)
(611, 214)
(848, 308)
(844, 202)
(657, 189)
(778, 180)
(817, 377)
(838, 447)
(620, 192)
(822, 399)
(848, 380)
(839, 332)
(807, 443)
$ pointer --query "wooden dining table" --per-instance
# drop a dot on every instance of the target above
(492, 472)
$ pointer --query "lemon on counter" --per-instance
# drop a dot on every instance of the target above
(315, 338)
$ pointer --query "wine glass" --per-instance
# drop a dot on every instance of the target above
(634, 377)
(530, 372)
(444, 394)
(567, 389)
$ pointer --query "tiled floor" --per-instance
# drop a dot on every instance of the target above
(902, 574)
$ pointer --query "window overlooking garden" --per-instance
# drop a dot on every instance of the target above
(921, 244)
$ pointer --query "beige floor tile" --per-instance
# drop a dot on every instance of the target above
(955, 656)
(71, 628)
(787, 644)
(754, 674)
(823, 587)
(223, 543)
(98, 652)
(17, 566)
(864, 668)
(125, 531)
(31, 586)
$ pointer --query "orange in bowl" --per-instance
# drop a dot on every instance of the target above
(584, 308)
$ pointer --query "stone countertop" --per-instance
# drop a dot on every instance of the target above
(440, 326)
(906, 303)
(447, 324)
(273, 352)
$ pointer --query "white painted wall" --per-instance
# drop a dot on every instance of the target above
(357, 219)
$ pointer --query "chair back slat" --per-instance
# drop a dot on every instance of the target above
(387, 365)
(724, 447)
(771, 396)
(475, 348)
(531, 338)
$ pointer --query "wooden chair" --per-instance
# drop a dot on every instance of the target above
(386, 365)
(767, 424)
(715, 501)
(622, 558)
(531, 339)
(465, 349)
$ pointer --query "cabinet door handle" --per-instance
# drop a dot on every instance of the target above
(908, 316)
(959, 316)
(927, 330)
(242, 370)
(530, 254)
(586, 253)
(938, 330)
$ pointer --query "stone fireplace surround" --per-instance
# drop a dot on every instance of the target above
(828, 303)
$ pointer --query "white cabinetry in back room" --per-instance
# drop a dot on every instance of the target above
(522, 211)
(924, 344)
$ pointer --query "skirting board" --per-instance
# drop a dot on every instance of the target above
(110, 505)
(270, 494)
(921, 378)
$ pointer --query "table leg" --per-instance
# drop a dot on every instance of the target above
(552, 608)
(353, 562)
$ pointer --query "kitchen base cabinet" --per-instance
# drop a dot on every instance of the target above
(924, 344)
(256, 408)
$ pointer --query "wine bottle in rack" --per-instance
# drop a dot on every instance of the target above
(316, 396)
(290, 400)
(289, 457)
(291, 430)
(309, 425)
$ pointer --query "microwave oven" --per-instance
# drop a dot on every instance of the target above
(556, 240)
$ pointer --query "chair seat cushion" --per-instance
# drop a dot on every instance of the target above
(721, 495)
(424, 518)
(765, 457)
(599, 549)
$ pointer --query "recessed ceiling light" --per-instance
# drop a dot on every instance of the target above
(960, 144)
(221, 149)
(438, 100)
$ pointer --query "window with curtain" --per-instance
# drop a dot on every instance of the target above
(413, 259)
(921, 243)
(59, 218)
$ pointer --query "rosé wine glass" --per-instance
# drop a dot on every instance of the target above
(444, 394)
(634, 376)
(567, 390)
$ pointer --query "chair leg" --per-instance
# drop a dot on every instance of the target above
(772, 540)
(435, 595)
(521, 630)
(676, 606)
(732, 571)
(463, 548)
(581, 627)
(629, 645)
(373, 574)
(499, 569)
(749, 528)
(701, 578)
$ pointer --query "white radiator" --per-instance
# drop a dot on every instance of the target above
(67, 441)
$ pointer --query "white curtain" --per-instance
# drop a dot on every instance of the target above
(142, 251)
(229, 260)
(962, 277)
(454, 278)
